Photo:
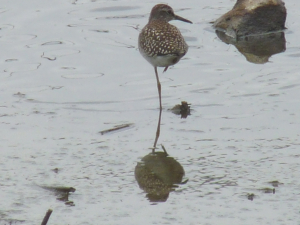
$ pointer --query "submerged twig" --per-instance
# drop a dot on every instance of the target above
(119, 127)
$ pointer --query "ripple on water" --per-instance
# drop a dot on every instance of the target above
(4, 75)
(190, 39)
(109, 41)
(14, 66)
(17, 37)
(289, 86)
(50, 44)
(3, 10)
(115, 8)
(293, 52)
(27, 90)
(82, 76)
(130, 16)
(54, 54)
(103, 31)
(6, 27)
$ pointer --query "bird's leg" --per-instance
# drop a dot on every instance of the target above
(158, 88)
(165, 69)
(160, 110)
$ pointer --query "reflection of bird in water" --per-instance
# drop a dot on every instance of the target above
(158, 174)
(161, 43)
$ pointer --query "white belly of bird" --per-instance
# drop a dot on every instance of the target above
(161, 61)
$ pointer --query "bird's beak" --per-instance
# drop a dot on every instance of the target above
(181, 19)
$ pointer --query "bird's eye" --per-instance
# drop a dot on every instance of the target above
(169, 12)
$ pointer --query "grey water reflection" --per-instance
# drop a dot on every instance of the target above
(157, 173)
(258, 48)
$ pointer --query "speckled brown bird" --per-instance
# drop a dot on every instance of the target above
(161, 43)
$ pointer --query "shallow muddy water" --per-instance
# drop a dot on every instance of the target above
(71, 70)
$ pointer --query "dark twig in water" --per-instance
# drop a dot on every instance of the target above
(119, 127)
(163, 147)
(47, 216)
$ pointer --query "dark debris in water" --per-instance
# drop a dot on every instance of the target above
(101, 31)
(55, 170)
(184, 109)
(69, 203)
(275, 183)
(19, 95)
(11, 60)
(116, 128)
(251, 196)
(267, 190)
(62, 193)
(59, 189)
(11, 222)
